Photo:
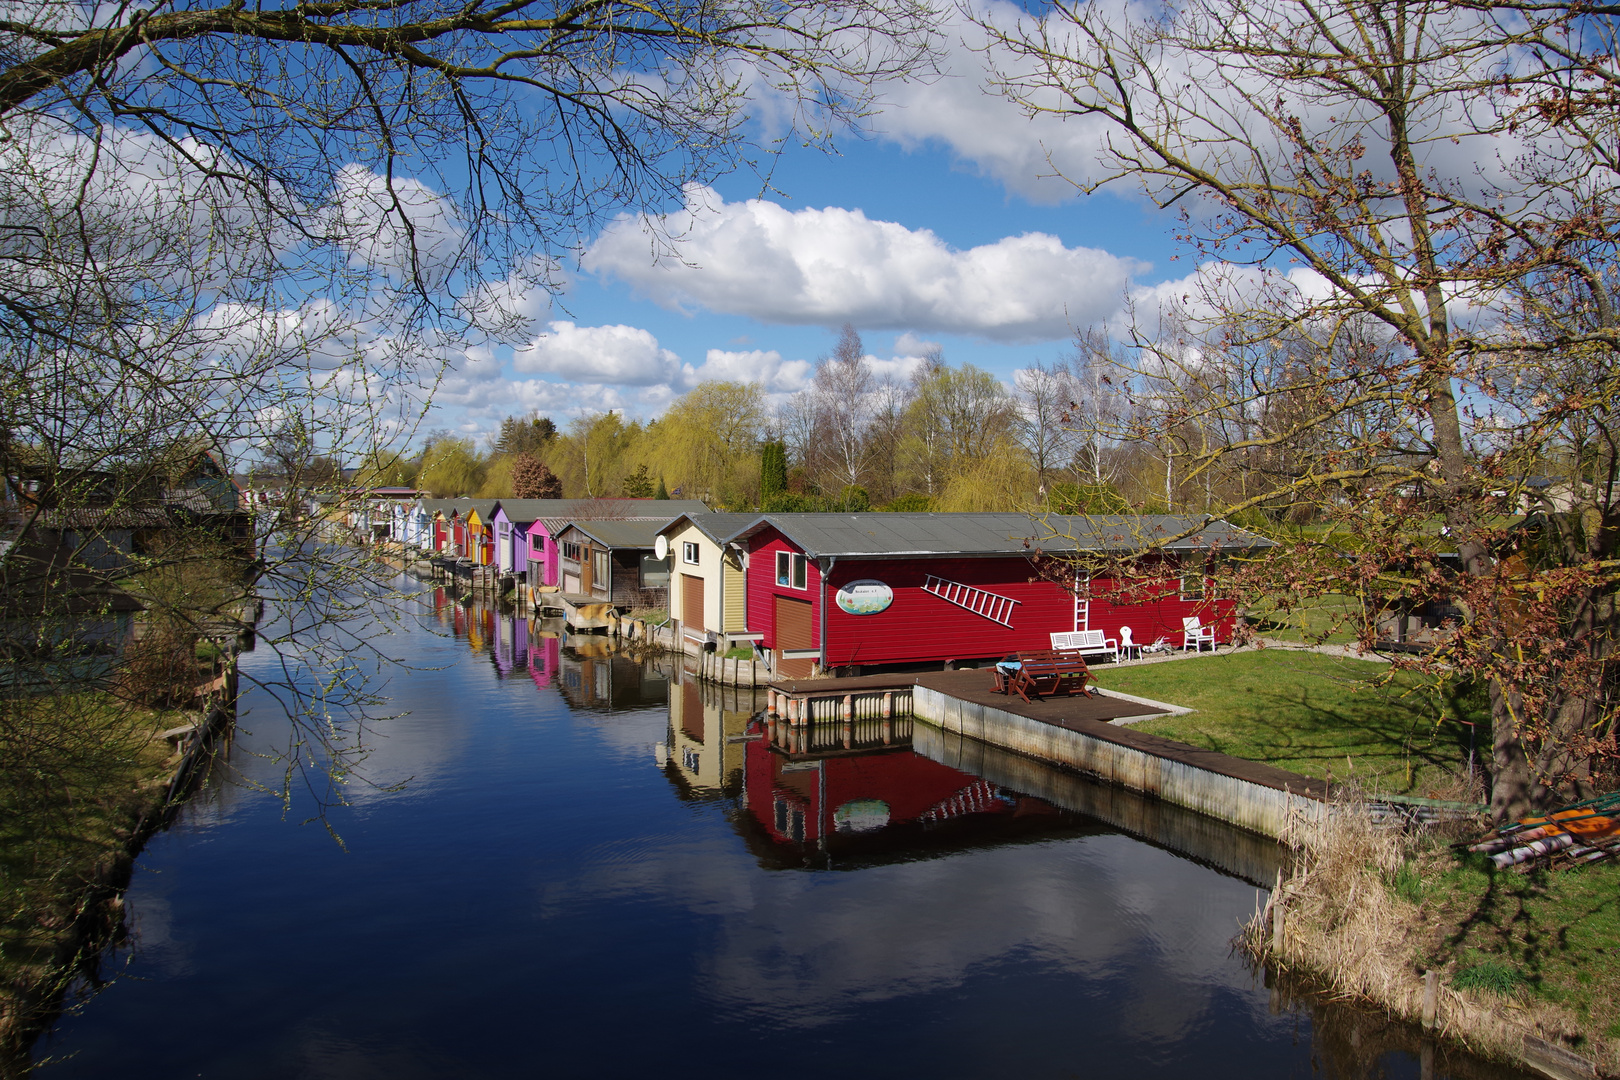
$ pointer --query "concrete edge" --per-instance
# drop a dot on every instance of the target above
(1162, 706)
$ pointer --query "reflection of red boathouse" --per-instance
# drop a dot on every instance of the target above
(802, 801)
(863, 801)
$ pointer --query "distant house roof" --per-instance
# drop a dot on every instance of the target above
(883, 535)
(482, 507)
(717, 527)
(622, 532)
(565, 510)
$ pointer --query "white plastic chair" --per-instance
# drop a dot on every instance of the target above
(1126, 645)
(1195, 635)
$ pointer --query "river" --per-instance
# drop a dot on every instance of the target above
(567, 863)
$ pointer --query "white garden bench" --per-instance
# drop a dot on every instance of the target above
(1089, 642)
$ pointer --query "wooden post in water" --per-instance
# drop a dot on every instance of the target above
(1431, 995)
(1277, 916)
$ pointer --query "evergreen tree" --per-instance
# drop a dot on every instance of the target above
(638, 485)
(772, 469)
(662, 492)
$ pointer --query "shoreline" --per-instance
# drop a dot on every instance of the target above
(83, 920)
(1335, 922)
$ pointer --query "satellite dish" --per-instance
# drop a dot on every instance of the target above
(661, 546)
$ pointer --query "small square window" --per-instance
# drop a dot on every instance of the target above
(689, 552)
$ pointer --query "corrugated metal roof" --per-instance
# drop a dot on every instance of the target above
(879, 534)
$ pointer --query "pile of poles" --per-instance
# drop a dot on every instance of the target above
(1582, 832)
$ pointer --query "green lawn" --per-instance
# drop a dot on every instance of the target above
(76, 771)
(1553, 935)
(1317, 715)
(1331, 619)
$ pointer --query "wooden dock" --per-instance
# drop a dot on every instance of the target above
(864, 697)
(584, 614)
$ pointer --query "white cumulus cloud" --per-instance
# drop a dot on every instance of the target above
(829, 266)
(763, 366)
(625, 355)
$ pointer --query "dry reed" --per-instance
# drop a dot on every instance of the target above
(1344, 927)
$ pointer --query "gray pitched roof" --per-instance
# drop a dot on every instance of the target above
(622, 532)
(717, 527)
(882, 535)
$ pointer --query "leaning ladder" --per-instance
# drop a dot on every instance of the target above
(995, 608)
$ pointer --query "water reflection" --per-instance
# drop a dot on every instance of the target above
(984, 914)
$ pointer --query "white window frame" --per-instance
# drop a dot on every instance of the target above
(689, 553)
(792, 570)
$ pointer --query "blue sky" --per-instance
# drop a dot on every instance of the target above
(932, 227)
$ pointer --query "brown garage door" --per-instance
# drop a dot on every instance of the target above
(793, 631)
(692, 604)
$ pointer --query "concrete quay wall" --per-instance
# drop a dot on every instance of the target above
(1261, 807)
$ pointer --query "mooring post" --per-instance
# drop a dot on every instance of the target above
(1277, 915)
(849, 706)
(888, 704)
(1431, 994)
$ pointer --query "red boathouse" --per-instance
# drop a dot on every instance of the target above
(850, 591)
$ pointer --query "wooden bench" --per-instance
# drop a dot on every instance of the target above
(1088, 642)
(1044, 672)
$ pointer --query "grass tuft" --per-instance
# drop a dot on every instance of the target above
(1407, 883)
(1493, 976)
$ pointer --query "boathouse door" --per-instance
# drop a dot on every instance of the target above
(692, 607)
(793, 631)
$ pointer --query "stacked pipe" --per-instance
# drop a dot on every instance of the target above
(1584, 832)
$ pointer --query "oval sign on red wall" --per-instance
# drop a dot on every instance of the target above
(865, 597)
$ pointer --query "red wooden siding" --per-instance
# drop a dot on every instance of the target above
(921, 627)
(763, 589)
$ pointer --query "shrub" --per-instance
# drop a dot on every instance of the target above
(914, 503)
(160, 667)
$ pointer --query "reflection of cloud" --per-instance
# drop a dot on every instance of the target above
(802, 949)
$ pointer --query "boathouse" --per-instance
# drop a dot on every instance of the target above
(851, 591)
(708, 587)
(544, 555)
(614, 562)
(479, 531)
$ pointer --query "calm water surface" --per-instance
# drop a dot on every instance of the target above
(597, 868)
